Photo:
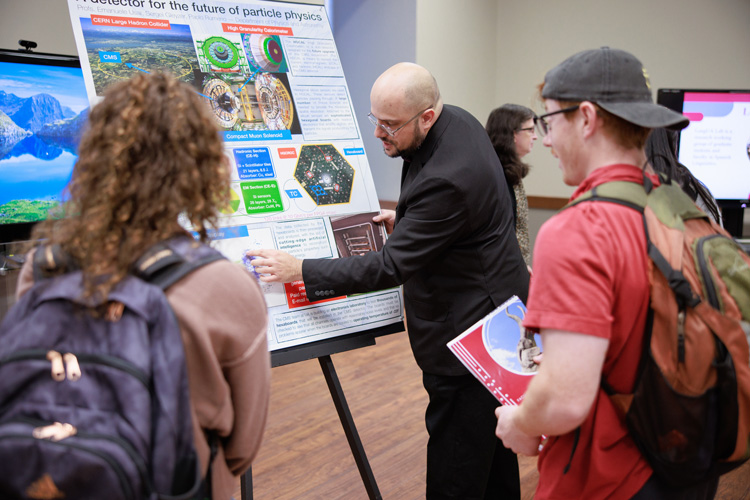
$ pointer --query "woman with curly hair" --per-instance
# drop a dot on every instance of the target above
(150, 162)
(511, 129)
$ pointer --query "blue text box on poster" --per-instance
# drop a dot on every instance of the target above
(109, 57)
(257, 135)
(225, 233)
(253, 163)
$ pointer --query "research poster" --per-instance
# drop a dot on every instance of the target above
(271, 73)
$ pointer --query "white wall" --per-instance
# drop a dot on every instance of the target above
(47, 22)
(457, 42)
(454, 40)
(371, 36)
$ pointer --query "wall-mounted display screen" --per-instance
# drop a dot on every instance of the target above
(715, 147)
(716, 144)
(43, 109)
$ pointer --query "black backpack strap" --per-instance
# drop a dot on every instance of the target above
(163, 266)
(50, 261)
(213, 444)
(576, 438)
(677, 281)
(204, 488)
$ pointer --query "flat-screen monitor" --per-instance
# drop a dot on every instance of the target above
(715, 146)
(43, 109)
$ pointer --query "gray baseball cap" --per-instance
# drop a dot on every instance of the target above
(616, 81)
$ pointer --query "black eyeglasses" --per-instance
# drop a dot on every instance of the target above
(541, 124)
(526, 129)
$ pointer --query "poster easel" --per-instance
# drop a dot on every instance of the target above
(323, 351)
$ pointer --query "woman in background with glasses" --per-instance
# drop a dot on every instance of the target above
(511, 129)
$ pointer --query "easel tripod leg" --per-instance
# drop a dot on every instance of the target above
(337, 393)
(350, 430)
(246, 485)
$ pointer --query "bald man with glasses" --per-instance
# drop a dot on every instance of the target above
(454, 250)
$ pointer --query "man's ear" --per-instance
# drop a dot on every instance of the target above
(590, 120)
(428, 119)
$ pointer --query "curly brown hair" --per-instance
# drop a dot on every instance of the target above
(151, 155)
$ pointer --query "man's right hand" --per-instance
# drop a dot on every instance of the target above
(388, 217)
(276, 265)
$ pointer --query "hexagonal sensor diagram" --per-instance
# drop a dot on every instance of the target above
(324, 174)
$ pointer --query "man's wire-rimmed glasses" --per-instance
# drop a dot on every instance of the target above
(388, 130)
(541, 124)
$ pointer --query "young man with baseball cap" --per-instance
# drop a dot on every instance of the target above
(589, 296)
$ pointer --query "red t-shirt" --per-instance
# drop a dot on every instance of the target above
(590, 277)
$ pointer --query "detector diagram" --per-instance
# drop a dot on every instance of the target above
(244, 78)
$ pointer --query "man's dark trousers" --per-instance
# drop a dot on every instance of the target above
(460, 414)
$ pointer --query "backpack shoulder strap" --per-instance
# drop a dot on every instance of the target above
(165, 263)
(629, 194)
(669, 204)
(50, 261)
